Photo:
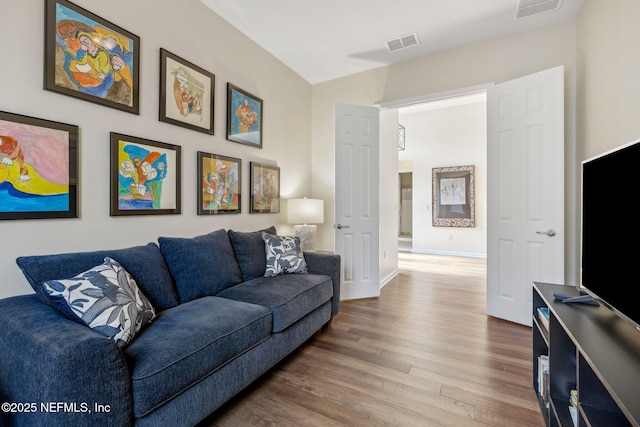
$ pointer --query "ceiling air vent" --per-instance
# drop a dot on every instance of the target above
(528, 8)
(403, 42)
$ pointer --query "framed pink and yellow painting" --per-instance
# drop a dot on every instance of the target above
(38, 168)
(90, 58)
(145, 176)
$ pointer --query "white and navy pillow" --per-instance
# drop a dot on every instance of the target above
(284, 255)
(104, 298)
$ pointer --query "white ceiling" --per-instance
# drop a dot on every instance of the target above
(323, 40)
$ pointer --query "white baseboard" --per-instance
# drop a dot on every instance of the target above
(389, 278)
(451, 253)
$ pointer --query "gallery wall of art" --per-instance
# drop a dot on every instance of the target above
(117, 130)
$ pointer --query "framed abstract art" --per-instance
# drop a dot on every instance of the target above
(265, 188)
(186, 94)
(219, 184)
(38, 168)
(244, 117)
(90, 58)
(145, 176)
(453, 196)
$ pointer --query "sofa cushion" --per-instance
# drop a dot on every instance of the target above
(202, 265)
(104, 298)
(249, 250)
(289, 297)
(145, 264)
(284, 255)
(187, 343)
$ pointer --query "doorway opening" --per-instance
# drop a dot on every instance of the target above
(405, 213)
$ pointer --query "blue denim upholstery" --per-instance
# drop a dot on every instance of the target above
(187, 343)
(249, 250)
(199, 352)
(201, 266)
(46, 357)
(205, 397)
(329, 264)
(146, 265)
(289, 300)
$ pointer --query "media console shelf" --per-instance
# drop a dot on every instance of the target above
(590, 350)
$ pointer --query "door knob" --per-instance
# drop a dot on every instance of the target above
(550, 232)
(340, 226)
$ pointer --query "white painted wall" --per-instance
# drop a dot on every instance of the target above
(443, 137)
(192, 31)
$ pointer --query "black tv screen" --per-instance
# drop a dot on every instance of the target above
(610, 232)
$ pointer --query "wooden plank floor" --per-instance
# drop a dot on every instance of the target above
(422, 354)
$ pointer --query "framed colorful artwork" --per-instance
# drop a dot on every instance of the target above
(90, 58)
(244, 117)
(38, 168)
(219, 184)
(265, 188)
(186, 94)
(145, 176)
(453, 197)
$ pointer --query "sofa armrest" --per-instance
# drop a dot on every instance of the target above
(57, 372)
(327, 264)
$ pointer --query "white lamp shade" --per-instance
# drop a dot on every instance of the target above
(305, 211)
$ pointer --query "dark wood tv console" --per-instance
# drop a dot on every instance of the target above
(590, 350)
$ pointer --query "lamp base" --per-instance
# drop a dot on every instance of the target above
(307, 235)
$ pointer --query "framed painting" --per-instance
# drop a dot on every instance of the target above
(186, 94)
(453, 197)
(90, 58)
(244, 117)
(145, 176)
(265, 188)
(219, 184)
(38, 168)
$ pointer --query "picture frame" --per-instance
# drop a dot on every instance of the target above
(145, 176)
(219, 184)
(187, 94)
(90, 58)
(453, 196)
(38, 168)
(265, 188)
(244, 117)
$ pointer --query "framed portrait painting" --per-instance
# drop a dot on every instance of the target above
(145, 176)
(244, 117)
(219, 184)
(38, 168)
(90, 58)
(186, 94)
(265, 188)
(453, 196)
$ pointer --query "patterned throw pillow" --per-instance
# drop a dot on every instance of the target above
(284, 255)
(104, 298)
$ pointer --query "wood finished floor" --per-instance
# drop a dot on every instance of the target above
(422, 354)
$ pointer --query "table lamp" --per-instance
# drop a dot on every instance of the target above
(305, 213)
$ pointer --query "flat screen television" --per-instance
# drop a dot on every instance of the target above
(610, 235)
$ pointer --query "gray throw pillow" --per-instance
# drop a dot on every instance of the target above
(284, 255)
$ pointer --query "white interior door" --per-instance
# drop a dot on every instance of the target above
(356, 199)
(525, 191)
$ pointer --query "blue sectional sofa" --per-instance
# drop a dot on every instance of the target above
(203, 323)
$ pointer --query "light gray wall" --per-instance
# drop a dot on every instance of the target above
(190, 30)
